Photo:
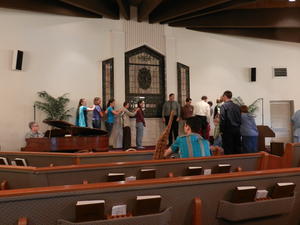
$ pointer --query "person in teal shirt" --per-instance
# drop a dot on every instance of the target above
(111, 112)
(192, 144)
(81, 115)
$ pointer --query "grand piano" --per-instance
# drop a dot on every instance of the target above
(66, 137)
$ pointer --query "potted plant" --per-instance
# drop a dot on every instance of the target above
(55, 108)
(251, 108)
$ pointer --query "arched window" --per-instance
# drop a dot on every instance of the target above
(107, 81)
(145, 79)
(183, 82)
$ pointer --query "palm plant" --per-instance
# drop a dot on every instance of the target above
(55, 108)
(251, 108)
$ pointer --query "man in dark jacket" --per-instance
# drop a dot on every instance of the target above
(230, 122)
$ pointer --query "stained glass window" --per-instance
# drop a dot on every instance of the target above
(183, 78)
(107, 80)
(145, 79)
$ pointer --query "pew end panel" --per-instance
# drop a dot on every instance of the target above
(197, 211)
(4, 185)
(293, 155)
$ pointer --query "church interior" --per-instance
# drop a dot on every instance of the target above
(137, 67)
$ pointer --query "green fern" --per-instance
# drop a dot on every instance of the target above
(55, 108)
(251, 108)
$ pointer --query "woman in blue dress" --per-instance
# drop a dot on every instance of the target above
(81, 115)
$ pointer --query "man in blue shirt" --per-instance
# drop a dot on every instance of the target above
(192, 144)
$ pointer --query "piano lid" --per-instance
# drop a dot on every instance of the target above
(72, 129)
(59, 124)
(86, 131)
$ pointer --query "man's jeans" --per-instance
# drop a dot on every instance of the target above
(139, 134)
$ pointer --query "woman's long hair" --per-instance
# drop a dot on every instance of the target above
(109, 102)
(139, 103)
(77, 112)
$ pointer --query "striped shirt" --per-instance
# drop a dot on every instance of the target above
(192, 145)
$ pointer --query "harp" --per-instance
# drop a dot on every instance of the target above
(162, 142)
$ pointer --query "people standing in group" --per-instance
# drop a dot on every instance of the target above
(168, 107)
(202, 111)
(216, 119)
(296, 126)
(110, 112)
(125, 117)
(230, 122)
(97, 113)
(186, 112)
(210, 103)
(81, 114)
(140, 124)
(249, 131)
(191, 144)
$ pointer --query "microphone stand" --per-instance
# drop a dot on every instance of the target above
(34, 113)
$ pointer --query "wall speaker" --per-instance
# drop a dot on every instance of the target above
(253, 74)
(17, 60)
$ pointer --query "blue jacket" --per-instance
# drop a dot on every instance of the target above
(248, 126)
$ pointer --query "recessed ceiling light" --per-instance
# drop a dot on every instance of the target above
(292, 0)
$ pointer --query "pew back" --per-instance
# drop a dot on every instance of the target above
(24, 177)
(44, 159)
(47, 205)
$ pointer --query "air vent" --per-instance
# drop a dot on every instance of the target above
(280, 72)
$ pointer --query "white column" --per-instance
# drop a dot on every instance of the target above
(171, 73)
(118, 51)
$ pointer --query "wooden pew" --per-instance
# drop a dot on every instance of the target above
(44, 159)
(293, 159)
(178, 193)
(22, 177)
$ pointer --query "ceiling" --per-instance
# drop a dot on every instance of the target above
(270, 19)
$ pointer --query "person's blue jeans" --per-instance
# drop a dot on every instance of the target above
(97, 124)
(249, 144)
(139, 134)
(109, 127)
(218, 141)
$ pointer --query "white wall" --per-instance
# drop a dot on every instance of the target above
(64, 54)
(61, 55)
(218, 63)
